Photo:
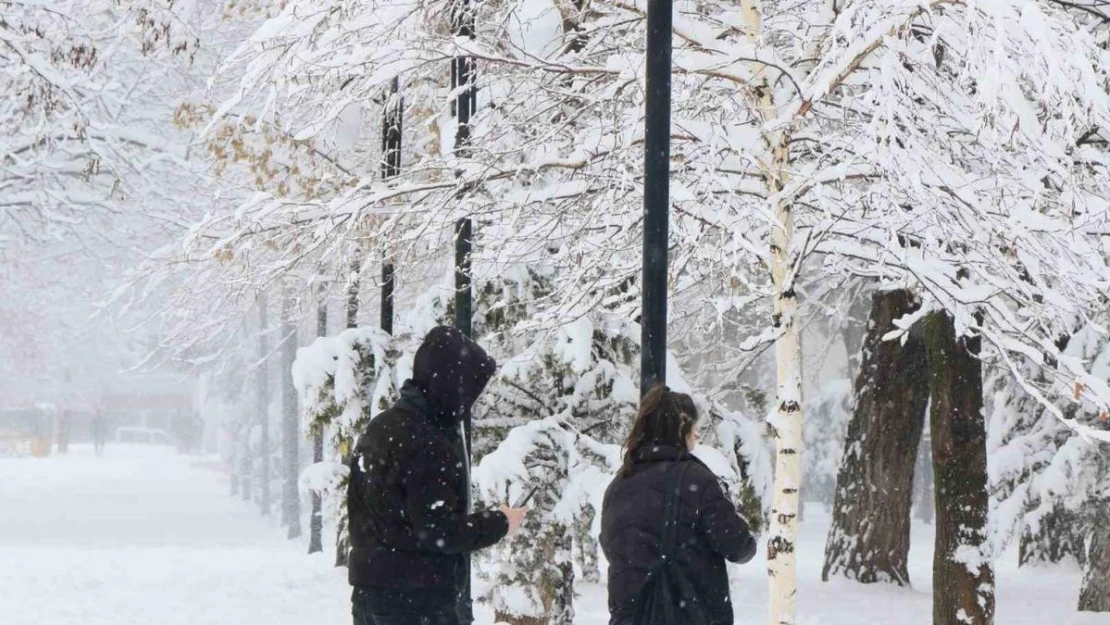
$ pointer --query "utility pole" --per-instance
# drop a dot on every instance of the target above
(462, 81)
(657, 157)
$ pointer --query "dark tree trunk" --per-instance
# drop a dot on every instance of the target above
(1057, 536)
(290, 431)
(263, 409)
(963, 575)
(1095, 594)
(316, 525)
(869, 540)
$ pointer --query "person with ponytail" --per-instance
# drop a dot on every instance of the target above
(707, 531)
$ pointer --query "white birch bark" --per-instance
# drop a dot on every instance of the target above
(787, 426)
(788, 408)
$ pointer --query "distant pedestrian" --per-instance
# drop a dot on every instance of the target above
(659, 471)
(408, 499)
(99, 432)
(63, 431)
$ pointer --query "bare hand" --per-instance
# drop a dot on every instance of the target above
(515, 517)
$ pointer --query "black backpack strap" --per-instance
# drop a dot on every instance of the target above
(671, 506)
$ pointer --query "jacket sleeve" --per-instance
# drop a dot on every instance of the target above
(433, 508)
(728, 533)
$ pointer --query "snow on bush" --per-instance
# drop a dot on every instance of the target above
(343, 380)
(1044, 475)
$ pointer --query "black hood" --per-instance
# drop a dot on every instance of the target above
(450, 370)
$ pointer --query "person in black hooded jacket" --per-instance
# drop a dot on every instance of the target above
(408, 498)
(710, 530)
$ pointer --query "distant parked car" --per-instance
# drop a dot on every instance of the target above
(145, 436)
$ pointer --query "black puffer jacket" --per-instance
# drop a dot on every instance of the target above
(407, 500)
(710, 532)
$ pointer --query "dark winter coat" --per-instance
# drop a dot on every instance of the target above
(408, 496)
(710, 531)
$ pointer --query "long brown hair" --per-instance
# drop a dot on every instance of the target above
(665, 418)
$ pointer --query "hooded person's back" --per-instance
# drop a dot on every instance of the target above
(408, 495)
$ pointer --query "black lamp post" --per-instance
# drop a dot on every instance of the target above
(657, 156)
(462, 80)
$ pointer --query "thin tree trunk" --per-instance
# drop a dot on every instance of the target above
(788, 414)
(1095, 593)
(233, 462)
(963, 574)
(290, 435)
(781, 559)
(788, 432)
(246, 464)
(263, 408)
(316, 525)
(869, 540)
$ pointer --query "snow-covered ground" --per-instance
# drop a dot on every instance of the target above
(146, 537)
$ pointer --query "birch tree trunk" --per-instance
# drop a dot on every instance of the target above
(963, 574)
(788, 356)
(788, 409)
(787, 427)
(869, 539)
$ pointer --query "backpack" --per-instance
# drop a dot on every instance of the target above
(667, 596)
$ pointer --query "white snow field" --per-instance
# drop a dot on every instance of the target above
(147, 537)
(144, 537)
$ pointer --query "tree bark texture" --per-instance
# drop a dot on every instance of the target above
(963, 574)
(869, 540)
(787, 425)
